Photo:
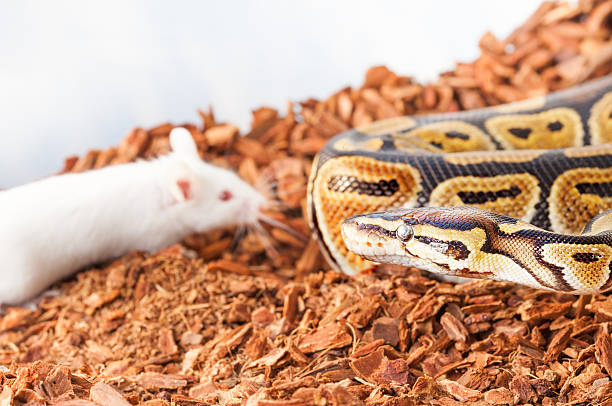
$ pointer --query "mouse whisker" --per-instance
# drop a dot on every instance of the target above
(264, 181)
(278, 224)
(288, 180)
(275, 182)
(293, 188)
(266, 188)
(266, 240)
(287, 192)
(276, 205)
(238, 236)
(270, 185)
(270, 189)
(291, 193)
(267, 173)
(267, 193)
(261, 183)
(265, 176)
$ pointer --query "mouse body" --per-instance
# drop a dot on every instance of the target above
(55, 226)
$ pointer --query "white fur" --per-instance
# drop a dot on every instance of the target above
(55, 226)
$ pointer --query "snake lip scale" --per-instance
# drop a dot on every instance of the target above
(520, 192)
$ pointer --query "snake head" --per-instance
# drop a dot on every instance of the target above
(436, 239)
(375, 236)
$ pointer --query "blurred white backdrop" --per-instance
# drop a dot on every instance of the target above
(76, 75)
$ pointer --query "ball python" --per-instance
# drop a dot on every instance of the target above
(502, 193)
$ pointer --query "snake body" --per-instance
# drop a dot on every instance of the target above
(500, 193)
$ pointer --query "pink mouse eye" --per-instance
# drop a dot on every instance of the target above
(225, 195)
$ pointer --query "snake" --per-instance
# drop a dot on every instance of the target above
(520, 192)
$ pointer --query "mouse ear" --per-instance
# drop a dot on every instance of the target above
(182, 142)
(180, 182)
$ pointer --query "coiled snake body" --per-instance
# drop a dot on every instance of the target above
(527, 177)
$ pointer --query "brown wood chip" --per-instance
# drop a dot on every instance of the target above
(458, 391)
(166, 342)
(152, 380)
(499, 396)
(331, 336)
(105, 395)
(221, 134)
(454, 328)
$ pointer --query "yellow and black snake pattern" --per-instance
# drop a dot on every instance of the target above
(532, 175)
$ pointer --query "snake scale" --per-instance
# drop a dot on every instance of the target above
(516, 192)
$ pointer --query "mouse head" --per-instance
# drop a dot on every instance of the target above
(207, 195)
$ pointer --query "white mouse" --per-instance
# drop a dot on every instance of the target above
(58, 225)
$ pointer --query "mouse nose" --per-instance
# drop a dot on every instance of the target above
(249, 210)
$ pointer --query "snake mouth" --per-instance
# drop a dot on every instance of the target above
(373, 238)
(380, 244)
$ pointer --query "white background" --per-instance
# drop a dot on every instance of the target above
(76, 75)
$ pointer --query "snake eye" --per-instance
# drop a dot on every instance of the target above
(404, 232)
